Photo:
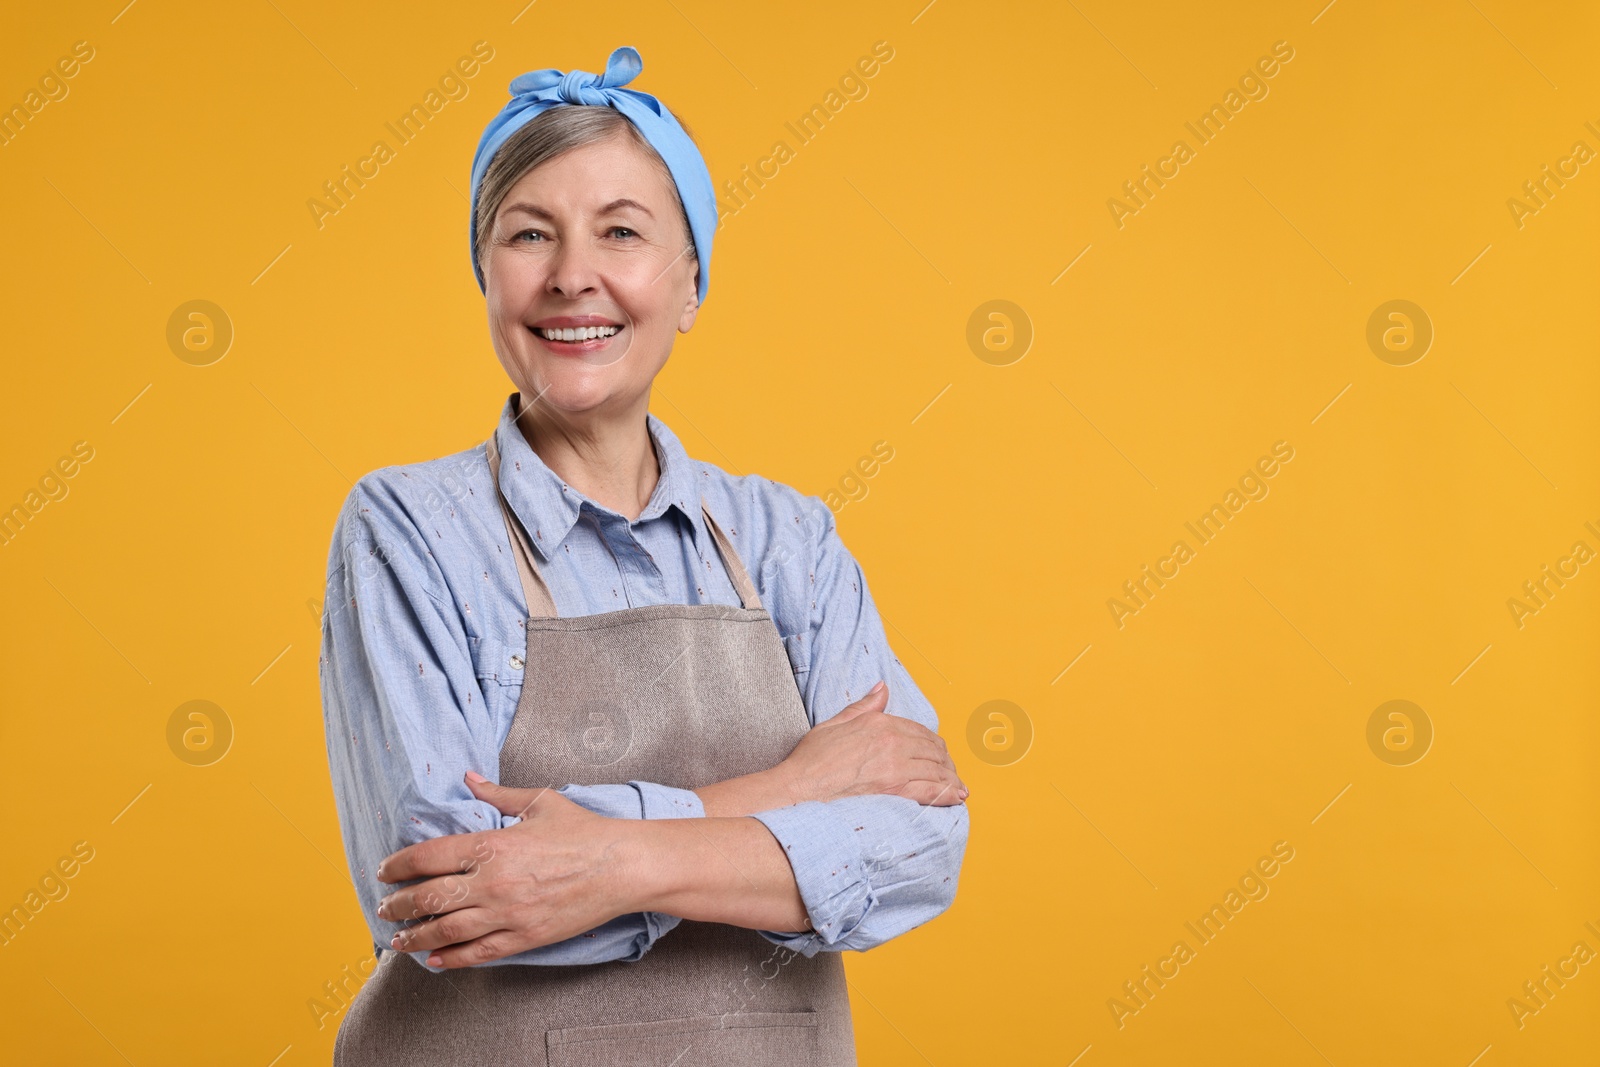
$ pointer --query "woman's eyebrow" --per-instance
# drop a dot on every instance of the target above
(615, 205)
(625, 202)
(530, 209)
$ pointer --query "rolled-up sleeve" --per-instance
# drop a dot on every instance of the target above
(405, 718)
(637, 800)
(868, 868)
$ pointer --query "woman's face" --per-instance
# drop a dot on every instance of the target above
(593, 238)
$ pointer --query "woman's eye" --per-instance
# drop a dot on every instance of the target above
(616, 230)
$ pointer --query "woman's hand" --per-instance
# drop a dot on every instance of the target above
(556, 874)
(861, 750)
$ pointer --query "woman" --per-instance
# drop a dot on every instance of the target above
(702, 799)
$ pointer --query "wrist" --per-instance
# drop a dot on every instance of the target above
(783, 787)
(652, 861)
(639, 875)
(749, 793)
(724, 870)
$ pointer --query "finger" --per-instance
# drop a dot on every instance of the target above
(944, 760)
(877, 696)
(436, 896)
(508, 800)
(935, 773)
(939, 775)
(895, 725)
(918, 743)
(934, 794)
(929, 744)
(491, 946)
(874, 701)
(447, 930)
(439, 855)
(928, 748)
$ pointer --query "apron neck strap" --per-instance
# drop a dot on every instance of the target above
(541, 605)
(730, 559)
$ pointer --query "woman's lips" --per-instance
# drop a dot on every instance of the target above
(573, 348)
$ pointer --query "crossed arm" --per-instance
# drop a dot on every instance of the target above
(852, 840)
(563, 870)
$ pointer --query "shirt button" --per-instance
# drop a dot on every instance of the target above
(516, 661)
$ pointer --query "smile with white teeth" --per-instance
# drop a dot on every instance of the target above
(570, 333)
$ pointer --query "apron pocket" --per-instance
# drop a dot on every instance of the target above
(740, 1039)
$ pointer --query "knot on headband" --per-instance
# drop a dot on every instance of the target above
(555, 87)
(538, 91)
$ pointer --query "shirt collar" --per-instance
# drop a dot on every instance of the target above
(549, 507)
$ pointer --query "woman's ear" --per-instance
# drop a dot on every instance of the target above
(691, 307)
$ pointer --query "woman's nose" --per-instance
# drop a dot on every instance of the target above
(573, 270)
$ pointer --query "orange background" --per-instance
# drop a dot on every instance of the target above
(1230, 312)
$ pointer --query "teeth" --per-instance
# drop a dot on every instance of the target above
(569, 333)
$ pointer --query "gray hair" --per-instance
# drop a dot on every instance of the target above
(541, 139)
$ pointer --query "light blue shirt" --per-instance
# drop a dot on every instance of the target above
(421, 670)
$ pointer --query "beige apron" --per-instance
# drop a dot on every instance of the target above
(680, 694)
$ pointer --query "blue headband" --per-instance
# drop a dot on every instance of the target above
(539, 90)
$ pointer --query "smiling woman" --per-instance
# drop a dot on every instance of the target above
(593, 201)
(529, 190)
(590, 773)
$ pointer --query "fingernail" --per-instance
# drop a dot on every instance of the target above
(474, 776)
(875, 688)
(963, 793)
(435, 960)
